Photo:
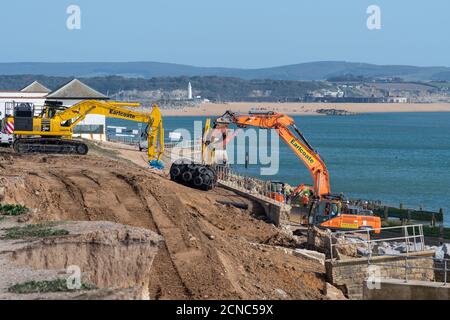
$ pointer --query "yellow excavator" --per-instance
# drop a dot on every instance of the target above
(50, 130)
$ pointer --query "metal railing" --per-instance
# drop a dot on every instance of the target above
(412, 235)
(251, 185)
(192, 150)
(440, 274)
(412, 239)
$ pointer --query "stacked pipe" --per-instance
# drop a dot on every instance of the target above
(193, 175)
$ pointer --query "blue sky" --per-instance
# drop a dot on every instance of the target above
(227, 33)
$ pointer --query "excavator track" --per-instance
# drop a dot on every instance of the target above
(50, 146)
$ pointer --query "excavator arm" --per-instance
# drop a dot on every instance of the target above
(326, 210)
(288, 131)
(118, 110)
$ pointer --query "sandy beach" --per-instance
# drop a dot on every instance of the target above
(217, 109)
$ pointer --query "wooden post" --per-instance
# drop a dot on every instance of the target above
(386, 213)
(433, 220)
(442, 229)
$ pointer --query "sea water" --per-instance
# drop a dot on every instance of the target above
(392, 157)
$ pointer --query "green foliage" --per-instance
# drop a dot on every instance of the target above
(13, 209)
(42, 230)
(348, 77)
(58, 285)
(211, 87)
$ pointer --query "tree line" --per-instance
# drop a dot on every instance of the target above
(210, 87)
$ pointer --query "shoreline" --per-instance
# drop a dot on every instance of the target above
(304, 109)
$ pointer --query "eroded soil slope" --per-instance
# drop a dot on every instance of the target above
(211, 250)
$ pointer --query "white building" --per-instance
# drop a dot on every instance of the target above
(35, 93)
(397, 100)
(93, 127)
(190, 94)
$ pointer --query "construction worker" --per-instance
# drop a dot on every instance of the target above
(305, 200)
(327, 210)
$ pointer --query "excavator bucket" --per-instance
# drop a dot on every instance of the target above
(155, 136)
(156, 164)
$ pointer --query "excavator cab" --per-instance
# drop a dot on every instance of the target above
(324, 210)
(330, 214)
(23, 117)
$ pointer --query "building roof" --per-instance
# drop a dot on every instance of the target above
(75, 90)
(36, 87)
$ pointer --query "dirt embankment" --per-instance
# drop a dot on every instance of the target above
(109, 258)
(210, 250)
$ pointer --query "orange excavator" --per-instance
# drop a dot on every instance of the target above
(325, 210)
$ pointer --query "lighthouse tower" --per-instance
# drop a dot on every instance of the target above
(190, 96)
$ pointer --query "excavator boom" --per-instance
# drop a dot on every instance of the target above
(288, 131)
(325, 209)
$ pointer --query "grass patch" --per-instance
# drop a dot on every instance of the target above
(58, 285)
(42, 230)
(13, 210)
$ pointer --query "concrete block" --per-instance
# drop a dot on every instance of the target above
(310, 255)
(393, 289)
(443, 252)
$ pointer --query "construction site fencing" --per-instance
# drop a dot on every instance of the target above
(128, 140)
(189, 150)
(188, 145)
